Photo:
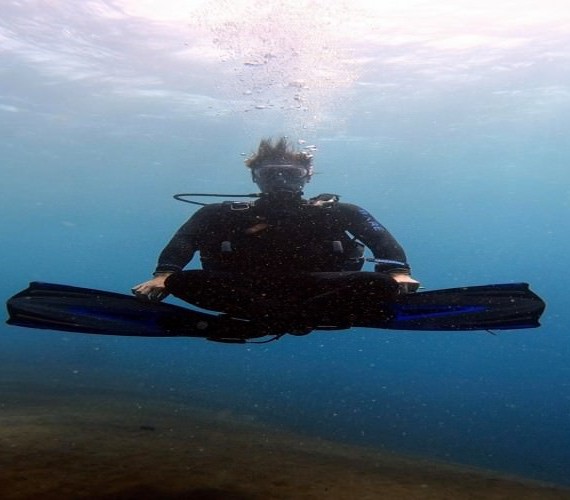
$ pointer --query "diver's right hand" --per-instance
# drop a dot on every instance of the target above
(153, 290)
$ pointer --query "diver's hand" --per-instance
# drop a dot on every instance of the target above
(153, 290)
(406, 282)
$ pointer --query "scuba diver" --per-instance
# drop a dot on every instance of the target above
(283, 260)
(281, 264)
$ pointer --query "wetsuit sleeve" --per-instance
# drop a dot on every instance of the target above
(184, 244)
(388, 252)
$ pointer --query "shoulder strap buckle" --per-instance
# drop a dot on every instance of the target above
(239, 205)
(324, 200)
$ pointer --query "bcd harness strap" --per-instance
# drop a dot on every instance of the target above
(324, 201)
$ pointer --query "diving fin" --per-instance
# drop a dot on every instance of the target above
(489, 307)
(85, 310)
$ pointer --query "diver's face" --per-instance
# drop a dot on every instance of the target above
(281, 178)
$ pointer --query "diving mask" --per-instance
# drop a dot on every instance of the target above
(273, 178)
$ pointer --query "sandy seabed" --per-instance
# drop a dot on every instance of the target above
(80, 444)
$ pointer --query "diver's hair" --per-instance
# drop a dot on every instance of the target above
(282, 152)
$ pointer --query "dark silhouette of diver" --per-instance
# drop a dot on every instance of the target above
(285, 261)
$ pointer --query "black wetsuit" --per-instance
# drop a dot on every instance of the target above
(272, 256)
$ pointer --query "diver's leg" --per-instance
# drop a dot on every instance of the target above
(350, 296)
(273, 301)
(241, 294)
(214, 290)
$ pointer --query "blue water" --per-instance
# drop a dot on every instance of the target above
(451, 129)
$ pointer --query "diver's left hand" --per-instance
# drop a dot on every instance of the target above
(406, 282)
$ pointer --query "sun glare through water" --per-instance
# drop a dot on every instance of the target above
(299, 55)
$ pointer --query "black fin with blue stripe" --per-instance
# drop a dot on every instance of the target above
(84, 310)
